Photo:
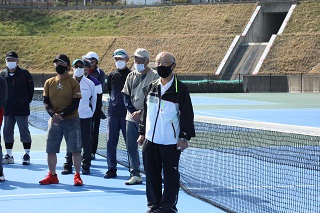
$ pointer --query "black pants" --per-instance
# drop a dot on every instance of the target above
(95, 133)
(157, 159)
(86, 140)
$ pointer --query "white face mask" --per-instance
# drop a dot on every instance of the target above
(11, 65)
(78, 72)
(139, 67)
(120, 64)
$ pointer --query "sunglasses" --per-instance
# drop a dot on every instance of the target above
(78, 66)
(119, 53)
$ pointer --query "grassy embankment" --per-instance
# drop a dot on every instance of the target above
(199, 35)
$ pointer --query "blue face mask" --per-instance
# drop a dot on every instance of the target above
(164, 71)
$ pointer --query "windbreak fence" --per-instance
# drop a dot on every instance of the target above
(209, 83)
(239, 166)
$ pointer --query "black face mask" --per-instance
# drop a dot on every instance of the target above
(61, 69)
(164, 71)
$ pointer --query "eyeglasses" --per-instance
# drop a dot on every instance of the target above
(119, 53)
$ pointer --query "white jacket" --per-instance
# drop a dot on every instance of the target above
(88, 101)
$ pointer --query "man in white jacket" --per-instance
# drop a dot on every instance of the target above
(86, 109)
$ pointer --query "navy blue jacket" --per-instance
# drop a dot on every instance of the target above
(20, 92)
(115, 83)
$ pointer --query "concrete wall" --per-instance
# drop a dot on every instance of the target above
(261, 28)
(290, 83)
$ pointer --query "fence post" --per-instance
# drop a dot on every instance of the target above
(270, 83)
(42, 79)
(239, 83)
(301, 83)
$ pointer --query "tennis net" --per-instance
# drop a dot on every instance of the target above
(239, 166)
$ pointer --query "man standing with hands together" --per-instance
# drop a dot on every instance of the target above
(134, 91)
(167, 125)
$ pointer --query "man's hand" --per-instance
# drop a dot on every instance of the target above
(56, 118)
(141, 140)
(182, 145)
(136, 115)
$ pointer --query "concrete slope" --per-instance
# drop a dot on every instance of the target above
(244, 61)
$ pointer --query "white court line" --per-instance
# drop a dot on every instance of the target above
(60, 193)
(247, 187)
(32, 159)
(222, 116)
(56, 193)
(239, 100)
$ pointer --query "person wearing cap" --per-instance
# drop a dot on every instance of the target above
(99, 74)
(61, 97)
(3, 99)
(167, 125)
(134, 92)
(86, 109)
(17, 108)
(116, 109)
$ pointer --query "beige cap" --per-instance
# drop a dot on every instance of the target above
(141, 53)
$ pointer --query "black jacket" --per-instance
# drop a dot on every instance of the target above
(3, 92)
(20, 92)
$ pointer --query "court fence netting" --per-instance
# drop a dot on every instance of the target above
(238, 166)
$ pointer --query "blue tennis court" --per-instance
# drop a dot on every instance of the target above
(225, 173)
(21, 191)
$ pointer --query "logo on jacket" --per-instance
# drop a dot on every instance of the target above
(59, 86)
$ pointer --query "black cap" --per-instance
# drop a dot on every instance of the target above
(12, 54)
(62, 58)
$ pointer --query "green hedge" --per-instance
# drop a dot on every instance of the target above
(213, 86)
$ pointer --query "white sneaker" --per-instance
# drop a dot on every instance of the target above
(7, 159)
(134, 180)
(2, 177)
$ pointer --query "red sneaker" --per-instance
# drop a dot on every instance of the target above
(49, 179)
(77, 180)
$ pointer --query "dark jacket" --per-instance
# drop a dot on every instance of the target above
(20, 92)
(3, 92)
(115, 83)
(169, 116)
(100, 75)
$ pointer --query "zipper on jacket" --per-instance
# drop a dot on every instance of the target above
(155, 123)
(174, 131)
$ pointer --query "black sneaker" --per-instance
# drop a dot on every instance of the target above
(26, 159)
(93, 156)
(86, 171)
(66, 170)
(2, 177)
(110, 174)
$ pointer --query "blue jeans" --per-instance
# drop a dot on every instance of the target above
(115, 124)
(132, 148)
